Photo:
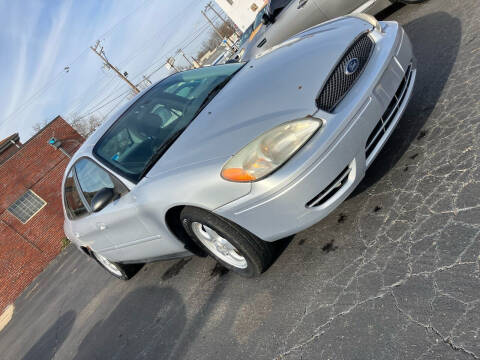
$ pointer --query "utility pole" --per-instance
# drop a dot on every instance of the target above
(211, 7)
(147, 80)
(171, 62)
(180, 51)
(215, 28)
(196, 64)
(102, 56)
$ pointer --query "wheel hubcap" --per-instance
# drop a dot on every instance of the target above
(108, 265)
(219, 246)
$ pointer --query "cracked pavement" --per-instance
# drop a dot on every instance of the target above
(393, 273)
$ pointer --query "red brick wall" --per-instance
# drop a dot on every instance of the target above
(25, 249)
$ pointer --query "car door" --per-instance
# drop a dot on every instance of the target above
(297, 16)
(81, 224)
(119, 222)
(336, 8)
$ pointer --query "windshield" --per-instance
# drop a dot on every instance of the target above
(157, 118)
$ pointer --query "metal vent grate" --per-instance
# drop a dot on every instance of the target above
(340, 80)
(331, 189)
(26, 206)
(385, 121)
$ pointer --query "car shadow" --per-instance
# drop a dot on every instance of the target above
(385, 13)
(436, 40)
(146, 323)
(151, 322)
(281, 245)
(48, 344)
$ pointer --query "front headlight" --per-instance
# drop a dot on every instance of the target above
(269, 151)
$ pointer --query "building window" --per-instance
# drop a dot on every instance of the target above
(27, 206)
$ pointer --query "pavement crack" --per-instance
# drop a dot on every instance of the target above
(445, 339)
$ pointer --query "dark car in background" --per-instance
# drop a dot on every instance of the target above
(281, 19)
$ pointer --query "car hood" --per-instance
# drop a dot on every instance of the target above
(277, 86)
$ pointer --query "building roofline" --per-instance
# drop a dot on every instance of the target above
(33, 137)
(7, 142)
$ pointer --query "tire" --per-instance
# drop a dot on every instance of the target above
(123, 272)
(257, 254)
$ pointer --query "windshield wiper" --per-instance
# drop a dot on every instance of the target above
(212, 94)
(157, 154)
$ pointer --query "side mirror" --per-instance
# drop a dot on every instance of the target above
(102, 199)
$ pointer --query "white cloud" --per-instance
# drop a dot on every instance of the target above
(45, 36)
(52, 45)
(18, 83)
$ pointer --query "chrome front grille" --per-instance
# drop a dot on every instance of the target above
(331, 189)
(340, 82)
(385, 121)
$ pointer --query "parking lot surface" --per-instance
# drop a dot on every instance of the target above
(393, 273)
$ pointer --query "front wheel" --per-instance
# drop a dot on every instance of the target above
(120, 271)
(229, 244)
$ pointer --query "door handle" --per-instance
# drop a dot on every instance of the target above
(261, 43)
(301, 3)
(102, 226)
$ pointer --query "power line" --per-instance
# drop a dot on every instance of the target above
(115, 106)
(126, 61)
(122, 19)
(61, 74)
(106, 98)
(103, 105)
(68, 66)
(146, 42)
(187, 40)
(81, 99)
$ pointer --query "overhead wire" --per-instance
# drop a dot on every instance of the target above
(185, 43)
(188, 40)
(103, 105)
(56, 77)
(138, 52)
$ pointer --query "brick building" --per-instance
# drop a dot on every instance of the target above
(31, 216)
(9, 146)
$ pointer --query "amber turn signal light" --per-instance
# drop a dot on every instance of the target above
(237, 174)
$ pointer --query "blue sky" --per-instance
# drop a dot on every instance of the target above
(39, 38)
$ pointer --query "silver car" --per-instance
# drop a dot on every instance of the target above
(227, 159)
(281, 19)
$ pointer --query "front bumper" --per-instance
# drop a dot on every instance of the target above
(322, 175)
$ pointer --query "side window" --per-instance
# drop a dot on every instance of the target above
(258, 18)
(277, 6)
(92, 178)
(74, 205)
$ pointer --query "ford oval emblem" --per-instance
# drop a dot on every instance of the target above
(352, 66)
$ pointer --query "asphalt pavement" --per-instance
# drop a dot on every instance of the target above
(393, 273)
